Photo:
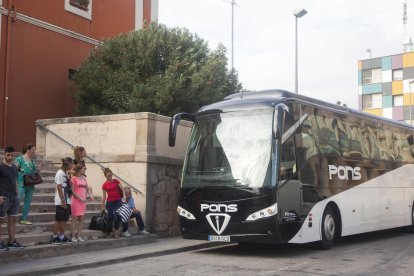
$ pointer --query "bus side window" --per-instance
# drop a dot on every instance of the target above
(373, 140)
(343, 136)
(287, 160)
(327, 132)
(382, 144)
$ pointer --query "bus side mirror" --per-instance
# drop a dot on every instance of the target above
(175, 121)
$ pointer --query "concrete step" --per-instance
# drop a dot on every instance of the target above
(47, 226)
(49, 250)
(36, 238)
(48, 172)
(45, 189)
(44, 207)
(43, 226)
(43, 197)
(50, 197)
(50, 216)
(47, 179)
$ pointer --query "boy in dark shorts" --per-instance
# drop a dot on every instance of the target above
(9, 203)
(62, 201)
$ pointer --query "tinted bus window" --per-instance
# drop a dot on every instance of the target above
(326, 132)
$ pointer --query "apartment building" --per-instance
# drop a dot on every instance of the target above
(386, 86)
(42, 43)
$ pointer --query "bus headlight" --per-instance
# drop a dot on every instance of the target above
(184, 213)
(264, 213)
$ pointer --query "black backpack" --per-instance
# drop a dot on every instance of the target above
(100, 222)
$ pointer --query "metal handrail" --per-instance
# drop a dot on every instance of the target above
(90, 158)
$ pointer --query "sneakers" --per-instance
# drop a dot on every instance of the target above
(56, 241)
(126, 234)
(3, 247)
(74, 239)
(80, 239)
(144, 232)
(15, 245)
(25, 222)
(65, 240)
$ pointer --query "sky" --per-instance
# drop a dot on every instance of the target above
(332, 37)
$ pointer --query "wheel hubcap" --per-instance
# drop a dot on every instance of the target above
(329, 227)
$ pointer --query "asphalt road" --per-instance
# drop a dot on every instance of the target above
(379, 253)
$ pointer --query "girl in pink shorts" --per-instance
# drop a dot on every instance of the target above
(78, 201)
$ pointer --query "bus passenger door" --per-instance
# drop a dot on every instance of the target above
(289, 190)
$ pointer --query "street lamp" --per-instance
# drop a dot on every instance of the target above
(297, 14)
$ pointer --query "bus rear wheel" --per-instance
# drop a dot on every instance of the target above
(328, 228)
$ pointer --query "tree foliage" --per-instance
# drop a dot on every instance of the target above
(157, 69)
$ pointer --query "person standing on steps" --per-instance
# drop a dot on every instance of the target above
(80, 192)
(25, 165)
(62, 201)
(112, 200)
(9, 202)
(80, 154)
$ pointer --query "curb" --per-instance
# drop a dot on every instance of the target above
(104, 262)
(36, 252)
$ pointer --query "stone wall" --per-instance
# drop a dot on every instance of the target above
(164, 180)
(135, 147)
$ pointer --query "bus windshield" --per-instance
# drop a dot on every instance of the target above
(232, 149)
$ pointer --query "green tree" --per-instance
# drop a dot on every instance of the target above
(156, 69)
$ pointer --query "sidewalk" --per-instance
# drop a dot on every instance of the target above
(152, 247)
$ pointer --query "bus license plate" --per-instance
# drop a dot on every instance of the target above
(219, 238)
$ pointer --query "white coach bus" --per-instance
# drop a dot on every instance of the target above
(278, 167)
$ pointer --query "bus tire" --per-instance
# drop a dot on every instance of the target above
(328, 228)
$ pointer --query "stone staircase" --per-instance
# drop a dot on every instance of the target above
(42, 212)
(37, 237)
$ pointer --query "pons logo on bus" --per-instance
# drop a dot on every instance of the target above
(344, 172)
(219, 208)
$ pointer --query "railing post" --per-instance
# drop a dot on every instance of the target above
(40, 140)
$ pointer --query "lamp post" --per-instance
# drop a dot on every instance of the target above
(297, 14)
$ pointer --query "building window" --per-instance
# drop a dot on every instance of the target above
(397, 74)
(71, 74)
(81, 4)
(82, 8)
(398, 100)
(372, 101)
(370, 76)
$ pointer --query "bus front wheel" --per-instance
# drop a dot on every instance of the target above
(328, 228)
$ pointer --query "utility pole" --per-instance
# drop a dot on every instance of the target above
(407, 42)
(232, 3)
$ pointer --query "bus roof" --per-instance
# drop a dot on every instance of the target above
(268, 99)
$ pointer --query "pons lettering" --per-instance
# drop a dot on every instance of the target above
(343, 172)
(219, 208)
